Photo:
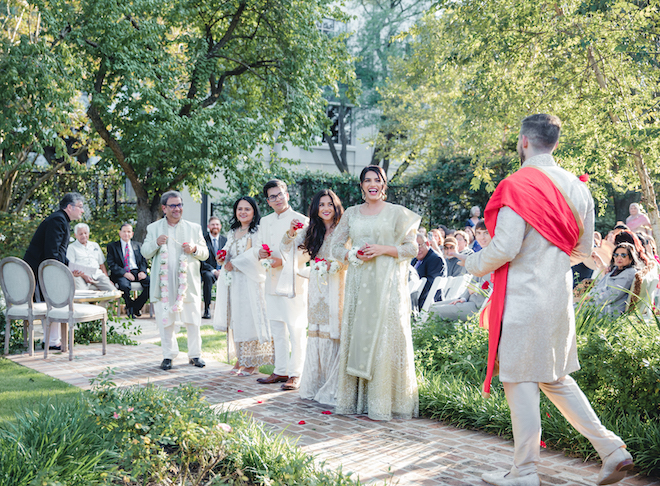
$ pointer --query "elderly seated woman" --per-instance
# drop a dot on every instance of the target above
(610, 293)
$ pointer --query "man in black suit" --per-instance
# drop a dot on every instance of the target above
(430, 265)
(127, 265)
(210, 267)
(51, 241)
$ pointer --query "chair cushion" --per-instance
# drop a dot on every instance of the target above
(80, 312)
(20, 311)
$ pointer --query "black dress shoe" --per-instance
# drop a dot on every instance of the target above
(199, 362)
(207, 314)
(166, 364)
(137, 313)
(52, 348)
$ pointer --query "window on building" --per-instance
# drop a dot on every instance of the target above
(333, 112)
(331, 26)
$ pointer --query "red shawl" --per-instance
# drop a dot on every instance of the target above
(534, 196)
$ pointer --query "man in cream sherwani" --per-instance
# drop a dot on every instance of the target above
(177, 247)
(537, 345)
(287, 313)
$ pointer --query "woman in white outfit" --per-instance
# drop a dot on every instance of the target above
(241, 299)
(326, 296)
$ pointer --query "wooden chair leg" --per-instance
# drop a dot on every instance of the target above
(25, 343)
(64, 333)
(46, 337)
(31, 337)
(71, 329)
(103, 332)
(7, 333)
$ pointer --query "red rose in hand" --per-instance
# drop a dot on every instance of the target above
(222, 254)
(265, 247)
(299, 225)
(584, 177)
(485, 285)
(360, 252)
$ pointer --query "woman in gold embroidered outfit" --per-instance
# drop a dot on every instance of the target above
(326, 296)
(240, 296)
(376, 367)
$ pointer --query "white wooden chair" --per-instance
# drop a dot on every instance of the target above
(438, 283)
(17, 281)
(57, 285)
(416, 289)
(456, 286)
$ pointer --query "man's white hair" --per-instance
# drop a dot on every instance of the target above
(80, 226)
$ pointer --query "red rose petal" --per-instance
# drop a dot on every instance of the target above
(547, 414)
(584, 177)
(302, 422)
(326, 412)
(239, 391)
(543, 444)
(260, 401)
(360, 252)
(485, 285)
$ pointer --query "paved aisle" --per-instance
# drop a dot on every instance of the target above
(413, 452)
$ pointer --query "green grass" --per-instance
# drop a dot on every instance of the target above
(22, 388)
(214, 345)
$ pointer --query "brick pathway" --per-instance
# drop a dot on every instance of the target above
(412, 452)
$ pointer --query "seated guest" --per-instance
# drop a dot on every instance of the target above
(637, 219)
(474, 297)
(610, 294)
(463, 243)
(430, 265)
(88, 253)
(437, 240)
(127, 265)
(210, 267)
(453, 268)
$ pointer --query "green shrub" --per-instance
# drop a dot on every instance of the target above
(176, 436)
(620, 375)
(56, 443)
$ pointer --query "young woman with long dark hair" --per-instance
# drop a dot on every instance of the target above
(326, 292)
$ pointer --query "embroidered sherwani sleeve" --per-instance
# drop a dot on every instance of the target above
(505, 245)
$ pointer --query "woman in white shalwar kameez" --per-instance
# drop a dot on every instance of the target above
(326, 296)
(240, 297)
(376, 362)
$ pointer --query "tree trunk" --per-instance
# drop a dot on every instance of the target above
(6, 189)
(648, 194)
(147, 213)
(335, 156)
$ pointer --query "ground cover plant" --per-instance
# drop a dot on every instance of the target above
(22, 388)
(620, 375)
(147, 436)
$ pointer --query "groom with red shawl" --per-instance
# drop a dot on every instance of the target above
(541, 220)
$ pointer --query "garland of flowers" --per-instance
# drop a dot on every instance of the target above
(182, 279)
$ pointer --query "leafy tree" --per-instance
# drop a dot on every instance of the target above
(377, 41)
(182, 90)
(38, 108)
(477, 68)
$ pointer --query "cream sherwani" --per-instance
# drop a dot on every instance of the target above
(287, 315)
(538, 346)
(191, 313)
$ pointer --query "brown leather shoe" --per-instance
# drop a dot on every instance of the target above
(273, 379)
(292, 384)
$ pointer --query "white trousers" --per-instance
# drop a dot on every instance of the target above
(289, 360)
(55, 333)
(565, 393)
(171, 347)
